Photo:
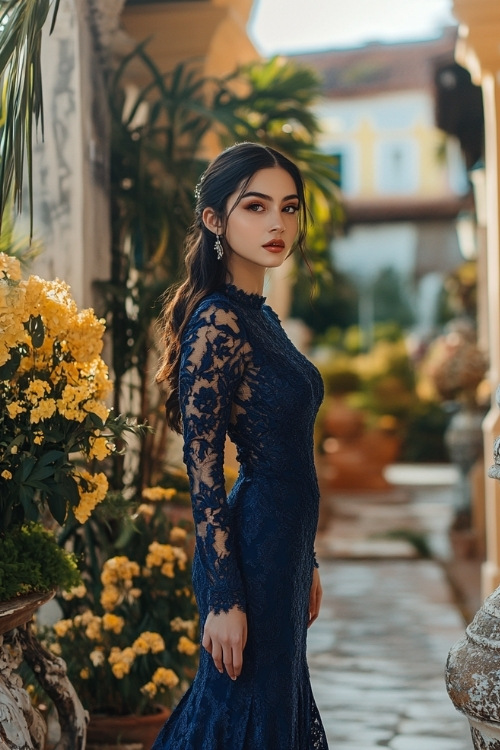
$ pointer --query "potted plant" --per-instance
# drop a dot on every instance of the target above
(131, 643)
(55, 427)
(55, 432)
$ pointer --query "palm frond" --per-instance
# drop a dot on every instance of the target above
(21, 103)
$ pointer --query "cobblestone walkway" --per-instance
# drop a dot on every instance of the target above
(377, 656)
(377, 653)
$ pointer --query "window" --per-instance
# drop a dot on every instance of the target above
(396, 167)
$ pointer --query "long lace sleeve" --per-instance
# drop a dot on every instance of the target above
(213, 355)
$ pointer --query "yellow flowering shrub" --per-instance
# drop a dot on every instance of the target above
(133, 640)
(53, 390)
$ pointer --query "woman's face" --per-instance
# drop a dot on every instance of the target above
(262, 227)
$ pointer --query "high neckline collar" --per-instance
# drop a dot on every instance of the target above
(247, 299)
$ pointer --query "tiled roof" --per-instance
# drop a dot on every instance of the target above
(377, 67)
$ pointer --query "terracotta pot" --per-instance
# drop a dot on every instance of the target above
(20, 610)
(342, 421)
(125, 730)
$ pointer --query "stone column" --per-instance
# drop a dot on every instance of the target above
(478, 51)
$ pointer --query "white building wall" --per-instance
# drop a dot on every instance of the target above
(71, 205)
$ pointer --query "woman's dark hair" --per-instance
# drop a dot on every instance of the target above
(232, 170)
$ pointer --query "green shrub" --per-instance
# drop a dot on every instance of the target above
(31, 560)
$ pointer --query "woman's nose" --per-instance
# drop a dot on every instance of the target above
(278, 224)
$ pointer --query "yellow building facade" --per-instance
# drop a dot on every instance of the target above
(210, 32)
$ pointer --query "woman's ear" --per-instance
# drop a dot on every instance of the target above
(211, 220)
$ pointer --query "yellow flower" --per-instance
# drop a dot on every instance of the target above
(36, 390)
(15, 408)
(61, 627)
(115, 655)
(6, 474)
(100, 447)
(68, 405)
(85, 673)
(120, 669)
(97, 408)
(119, 569)
(84, 337)
(186, 646)
(181, 558)
(97, 657)
(38, 439)
(55, 648)
(121, 661)
(140, 646)
(44, 410)
(149, 689)
(10, 267)
(113, 623)
(166, 677)
(128, 655)
(158, 493)
(167, 570)
(93, 629)
(177, 535)
(90, 498)
(159, 553)
(77, 592)
(85, 618)
(148, 641)
(189, 626)
(146, 510)
(110, 596)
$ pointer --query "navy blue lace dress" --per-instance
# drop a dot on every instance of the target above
(241, 375)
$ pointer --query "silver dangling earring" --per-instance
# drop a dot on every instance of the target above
(219, 250)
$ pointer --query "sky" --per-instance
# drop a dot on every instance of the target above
(287, 26)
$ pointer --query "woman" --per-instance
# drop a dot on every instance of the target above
(231, 369)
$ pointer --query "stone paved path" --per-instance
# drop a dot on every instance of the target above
(377, 656)
(377, 653)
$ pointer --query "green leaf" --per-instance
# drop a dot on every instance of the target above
(26, 496)
(66, 487)
(36, 330)
(27, 465)
(51, 457)
(40, 472)
(57, 506)
(9, 369)
(21, 101)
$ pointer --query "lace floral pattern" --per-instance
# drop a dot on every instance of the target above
(242, 377)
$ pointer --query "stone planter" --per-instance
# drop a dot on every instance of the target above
(125, 730)
(472, 673)
(19, 611)
(22, 725)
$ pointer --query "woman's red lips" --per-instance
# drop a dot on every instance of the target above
(276, 245)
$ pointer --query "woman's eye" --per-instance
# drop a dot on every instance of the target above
(291, 209)
(255, 207)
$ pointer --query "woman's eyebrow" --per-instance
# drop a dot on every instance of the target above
(263, 196)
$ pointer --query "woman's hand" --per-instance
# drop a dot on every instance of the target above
(315, 597)
(225, 637)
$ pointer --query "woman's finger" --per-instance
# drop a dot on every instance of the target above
(237, 661)
(228, 661)
(217, 656)
(207, 642)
